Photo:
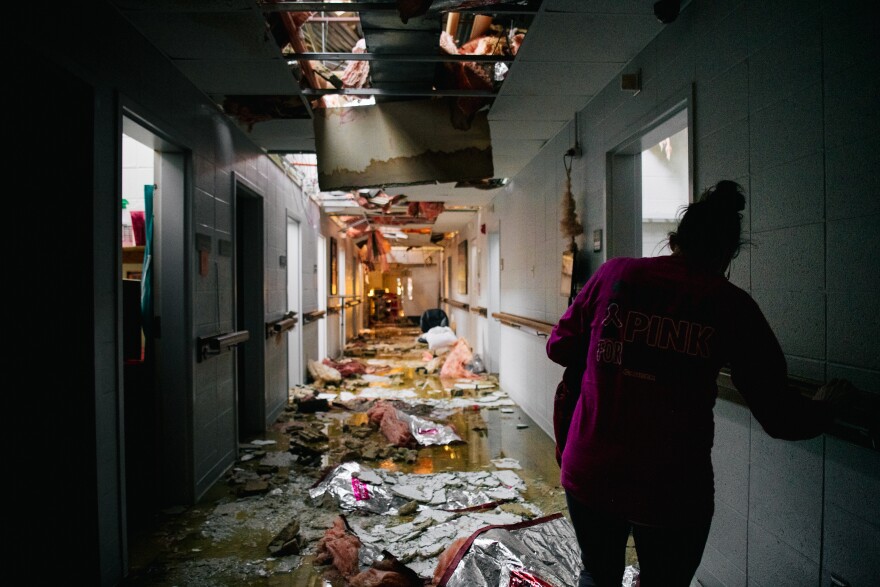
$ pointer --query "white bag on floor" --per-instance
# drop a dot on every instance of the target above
(440, 336)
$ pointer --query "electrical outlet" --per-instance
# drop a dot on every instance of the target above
(838, 582)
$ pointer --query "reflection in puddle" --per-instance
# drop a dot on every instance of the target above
(223, 539)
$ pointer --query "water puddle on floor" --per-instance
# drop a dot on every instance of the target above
(223, 540)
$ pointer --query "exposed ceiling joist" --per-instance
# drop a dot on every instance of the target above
(573, 49)
(530, 8)
(426, 92)
(439, 58)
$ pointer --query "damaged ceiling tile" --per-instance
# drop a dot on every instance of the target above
(399, 143)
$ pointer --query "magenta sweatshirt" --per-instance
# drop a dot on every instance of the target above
(654, 334)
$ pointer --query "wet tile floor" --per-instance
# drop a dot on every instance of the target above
(224, 539)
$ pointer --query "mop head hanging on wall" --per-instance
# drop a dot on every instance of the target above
(569, 224)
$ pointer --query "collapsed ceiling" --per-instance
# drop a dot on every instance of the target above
(525, 65)
(398, 94)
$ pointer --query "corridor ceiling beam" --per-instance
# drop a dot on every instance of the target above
(328, 56)
(399, 92)
(381, 7)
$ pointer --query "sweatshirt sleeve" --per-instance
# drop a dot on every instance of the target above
(570, 338)
(759, 371)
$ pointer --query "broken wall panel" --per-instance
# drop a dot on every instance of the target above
(399, 143)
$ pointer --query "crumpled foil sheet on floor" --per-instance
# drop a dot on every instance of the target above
(355, 487)
(541, 552)
(428, 433)
(419, 543)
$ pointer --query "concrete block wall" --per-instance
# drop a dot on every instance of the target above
(213, 416)
(126, 71)
(776, 107)
(528, 214)
(468, 325)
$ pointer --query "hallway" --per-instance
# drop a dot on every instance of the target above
(225, 538)
(606, 121)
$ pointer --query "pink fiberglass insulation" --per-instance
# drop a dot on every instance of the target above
(377, 412)
(455, 366)
(339, 547)
(377, 578)
(447, 557)
(395, 430)
(347, 368)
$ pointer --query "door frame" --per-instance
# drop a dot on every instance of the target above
(623, 209)
(174, 365)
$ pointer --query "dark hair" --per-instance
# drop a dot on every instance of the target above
(710, 229)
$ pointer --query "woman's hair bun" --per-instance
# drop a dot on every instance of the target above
(726, 195)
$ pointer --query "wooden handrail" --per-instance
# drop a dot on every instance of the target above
(480, 310)
(860, 424)
(541, 328)
(456, 304)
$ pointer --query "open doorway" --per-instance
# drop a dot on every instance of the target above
(650, 180)
(154, 330)
(664, 191)
(249, 308)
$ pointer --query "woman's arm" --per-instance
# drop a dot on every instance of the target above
(759, 371)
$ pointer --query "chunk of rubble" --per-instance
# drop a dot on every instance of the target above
(323, 373)
(288, 541)
(506, 463)
(253, 487)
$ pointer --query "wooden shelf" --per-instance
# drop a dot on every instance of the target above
(133, 254)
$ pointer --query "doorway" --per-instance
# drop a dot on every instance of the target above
(650, 180)
(249, 308)
(154, 322)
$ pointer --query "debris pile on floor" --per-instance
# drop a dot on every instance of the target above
(372, 471)
(538, 552)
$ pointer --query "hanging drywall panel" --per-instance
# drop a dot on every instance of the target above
(398, 143)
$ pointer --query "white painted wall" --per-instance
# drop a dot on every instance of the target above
(774, 110)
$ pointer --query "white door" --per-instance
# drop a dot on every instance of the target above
(494, 283)
(294, 276)
(322, 296)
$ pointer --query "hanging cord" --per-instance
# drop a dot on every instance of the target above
(569, 224)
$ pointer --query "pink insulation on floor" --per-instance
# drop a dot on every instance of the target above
(395, 430)
(456, 362)
(339, 547)
(447, 557)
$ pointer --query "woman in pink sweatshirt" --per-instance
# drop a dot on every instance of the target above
(653, 334)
